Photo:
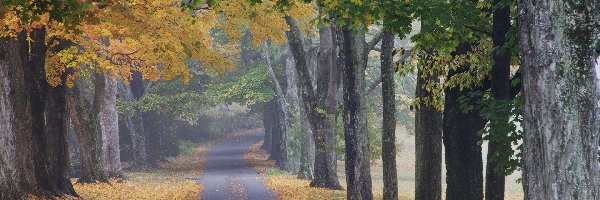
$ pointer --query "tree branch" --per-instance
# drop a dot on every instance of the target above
(405, 55)
(376, 38)
(62, 44)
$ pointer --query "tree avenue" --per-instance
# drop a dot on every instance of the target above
(94, 94)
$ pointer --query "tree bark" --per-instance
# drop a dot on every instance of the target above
(38, 116)
(134, 122)
(325, 167)
(428, 144)
(84, 116)
(56, 137)
(284, 121)
(388, 137)
(9, 174)
(267, 123)
(358, 173)
(109, 126)
(560, 98)
(300, 131)
(464, 167)
(328, 79)
(494, 181)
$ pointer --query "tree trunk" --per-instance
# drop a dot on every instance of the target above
(267, 123)
(85, 119)
(300, 131)
(285, 122)
(388, 137)
(428, 144)
(464, 167)
(38, 116)
(245, 54)
(57, 145)
(109, 126)
(325, 167)
(9, 174)
(279, 132)
(358, 175)
(328, 78)
(134, 122)
(560, 98)
(494, 181)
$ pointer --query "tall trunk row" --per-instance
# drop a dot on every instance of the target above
(34, 123)
(37, 116)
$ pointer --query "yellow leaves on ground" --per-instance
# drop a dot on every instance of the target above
(156, 187)
(258, 158)
(284, 185)
(290, 187)
(173, 180)
(193, 161)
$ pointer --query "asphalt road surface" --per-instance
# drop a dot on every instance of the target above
(227, 176)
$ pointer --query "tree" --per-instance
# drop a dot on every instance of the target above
(428, 138)
(324, 170)
(135, 122)
(9, 169)
(494, 180)
(84, 113)
(110, 128)
(390, 180)
(358, 172)
(461, 138)
(328, 79)
(39, 117)
(560, 98)
(283, 119)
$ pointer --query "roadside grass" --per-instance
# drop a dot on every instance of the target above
(173, 179)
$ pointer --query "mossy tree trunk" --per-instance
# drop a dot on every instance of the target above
(561, 89)
(84, 113)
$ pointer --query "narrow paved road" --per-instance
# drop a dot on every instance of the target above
(226, 175)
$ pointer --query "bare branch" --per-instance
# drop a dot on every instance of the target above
(376, 38)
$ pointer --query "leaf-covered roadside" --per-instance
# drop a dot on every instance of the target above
(174, 179)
